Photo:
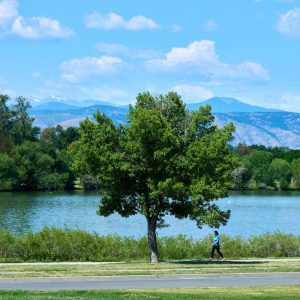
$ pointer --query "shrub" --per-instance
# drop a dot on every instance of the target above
(53, 244)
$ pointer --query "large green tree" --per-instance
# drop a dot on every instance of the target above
(165, 160)
(258, 163)
(23, 128)
(296, 172)
(280, 172)
(16, 126)
(6, 124)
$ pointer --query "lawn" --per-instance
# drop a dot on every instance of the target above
(288, 292)
(164, 268)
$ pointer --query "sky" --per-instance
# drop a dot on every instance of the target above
(113, 50)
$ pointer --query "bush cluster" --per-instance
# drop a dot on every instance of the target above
(266, 168)
(52, 244)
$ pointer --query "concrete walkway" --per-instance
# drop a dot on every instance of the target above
(152, 282)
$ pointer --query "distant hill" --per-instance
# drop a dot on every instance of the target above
(56, 102)
(73, 115)
(254, 125)
(265, 128)
(53, 106)
(227, 105)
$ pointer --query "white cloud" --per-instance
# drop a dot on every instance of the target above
(12, 23)
(290, 101)
(3, 81)
(201, 57)
(8, 12)
(7, 91)
(193, 93)
(37, 74)
(284, 1)
(118, 49)
(39, 28)
(176, 28)
(106, 93)
(115, 21)
(81, 69)
(78, 92)
(289, 23)
(211, 25)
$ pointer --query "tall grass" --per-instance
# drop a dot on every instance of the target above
(52, 244)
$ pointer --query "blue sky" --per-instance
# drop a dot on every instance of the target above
(112, 50)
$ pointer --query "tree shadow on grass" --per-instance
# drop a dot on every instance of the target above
(217, 262)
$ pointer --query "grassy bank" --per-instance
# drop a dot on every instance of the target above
(270, 293)
(74, 270)
(53, 244)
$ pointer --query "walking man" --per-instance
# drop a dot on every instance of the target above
(216, 246)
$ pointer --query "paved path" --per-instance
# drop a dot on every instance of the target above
(144, 282)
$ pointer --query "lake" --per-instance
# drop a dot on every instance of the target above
(251, 214)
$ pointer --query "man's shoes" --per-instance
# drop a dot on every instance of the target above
(211, 259)
(223, 258)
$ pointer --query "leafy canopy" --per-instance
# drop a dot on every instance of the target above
(165, 160)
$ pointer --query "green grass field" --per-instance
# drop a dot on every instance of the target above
(164, 268)
(288, 292)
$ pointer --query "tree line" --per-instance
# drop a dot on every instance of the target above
(31, 158)
(266, 168)
(35, 159)
(165, 160)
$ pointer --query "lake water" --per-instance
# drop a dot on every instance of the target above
(251, 214)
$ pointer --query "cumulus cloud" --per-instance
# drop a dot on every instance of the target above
(2, 81)
(5, 89)
(37, 74)
(39, 28)
(114, 21)
(106, 93)
(193, 93)
(118, 49)
(81, 69)
(176, 28)
(11, 23)
(290, 101)
(78, 92)
(211, 25)
(8, 12)
(201, 57)
(289, 23)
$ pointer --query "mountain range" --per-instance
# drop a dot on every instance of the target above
(254, 124)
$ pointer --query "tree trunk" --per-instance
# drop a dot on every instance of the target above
(152, 239)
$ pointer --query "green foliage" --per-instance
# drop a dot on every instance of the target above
(258, 162)
(52, 182)
(52, 244)
(15, 124)
(280, 171)
(23, 128)
(274, 244)
(28, 162)
(296, 172)
(165, 160)
(8, 173)
(266, 168)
